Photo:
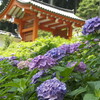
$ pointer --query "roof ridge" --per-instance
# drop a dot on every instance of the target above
(8, 1)
(63, 9)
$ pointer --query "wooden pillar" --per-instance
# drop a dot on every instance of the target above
(54, 33)
(21, 25)
(70, 29)
(35, 28)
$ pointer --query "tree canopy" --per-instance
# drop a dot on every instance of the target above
(88, 9)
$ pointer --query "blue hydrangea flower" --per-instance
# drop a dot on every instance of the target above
(51, 89)
(37, 76)
(91, 26)
(65, 48)
(1, 59)
(42, 62)
(14, 62)
(56, 53)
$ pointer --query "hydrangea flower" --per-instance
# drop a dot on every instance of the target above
(12, 58)
(74, 47)
(1, 59)
(56, 53)
(42, 62)
(14, 62)
(51, 89)
(80, 68)
(96, 40)
(8, 58)
(70, 48)
(91, 25)
(23, 64)
(65, 48)
(37, 76)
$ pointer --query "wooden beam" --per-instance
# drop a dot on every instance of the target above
(35, 28)
(27, 30)
(62, 27)
(46, 23)
(46, 28)
(30, 12)
(28, 18)
(55, 25)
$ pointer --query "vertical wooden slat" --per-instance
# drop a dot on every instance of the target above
(35, 28)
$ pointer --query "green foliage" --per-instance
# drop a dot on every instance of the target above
(15, 83)
(88, 9)
(8, 41)
(26, 50)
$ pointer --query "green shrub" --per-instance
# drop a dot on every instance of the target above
(26, 50)
(8, 41)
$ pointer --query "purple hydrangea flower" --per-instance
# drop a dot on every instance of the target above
(8, 58)
(91, 25)
(51, 89)
(56, 53)
(71, 64)
(42, 62)
(74, 47)
(12, 58)
(96, 40)
(37, 76)
(81, 67)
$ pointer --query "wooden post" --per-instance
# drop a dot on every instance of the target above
(35, 28)
(21, 25)
(70, 29)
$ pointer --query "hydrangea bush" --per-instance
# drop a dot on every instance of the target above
(42, 62)
(91, 26)
(47, 76)
(51, 89)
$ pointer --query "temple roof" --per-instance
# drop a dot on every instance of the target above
(51, 8)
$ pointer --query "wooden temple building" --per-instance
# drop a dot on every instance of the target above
(32, 15)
